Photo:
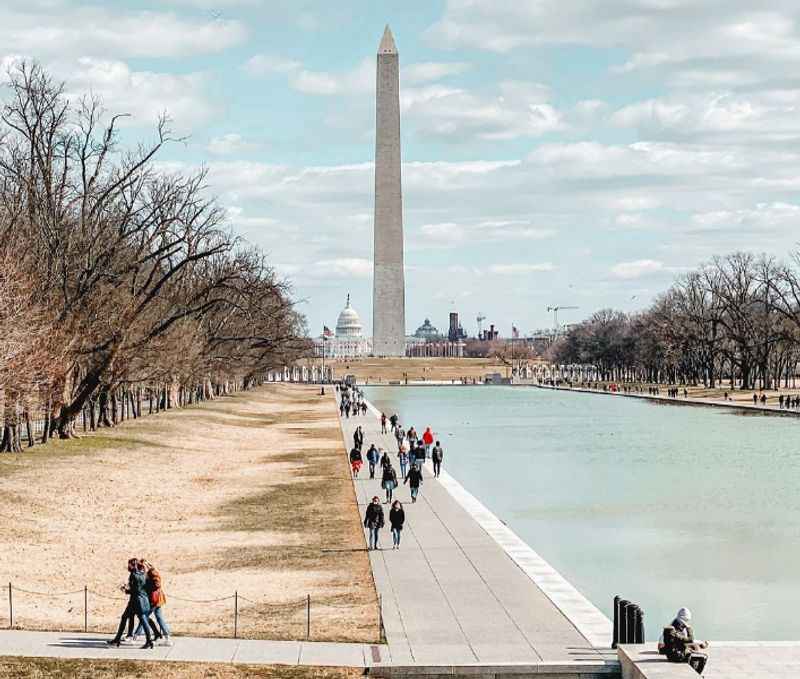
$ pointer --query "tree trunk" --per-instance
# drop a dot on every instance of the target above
(103, 418)
(29, 430)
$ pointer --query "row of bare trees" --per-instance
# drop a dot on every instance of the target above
(734, 321)
(116, 275)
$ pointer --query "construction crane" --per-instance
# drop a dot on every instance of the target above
(481, 318)
(555, 310)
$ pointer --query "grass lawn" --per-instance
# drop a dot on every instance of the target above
(249, 493)
(34, 668)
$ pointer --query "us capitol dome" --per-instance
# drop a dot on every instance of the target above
(348, 341)
(349, 324)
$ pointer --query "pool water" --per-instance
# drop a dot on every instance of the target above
(666, 505)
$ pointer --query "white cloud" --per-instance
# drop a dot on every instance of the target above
(64, 30)
(344, 267)
(516, 109)
(428, 71)
(753, 39)
(636, 269)
(517, 269)
(143, 94)
(446, 233)
(263, 64)
(228, 144)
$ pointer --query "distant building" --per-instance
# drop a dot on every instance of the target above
(456, 332)
(489, 335)
(441, 348)
(427, 332)
(349, 340)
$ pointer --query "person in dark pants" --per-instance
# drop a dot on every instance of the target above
(372, 460)
(414, 481)
(138, 603)
(373, 521)
(397, 517)
(389, 481)
(383, 423)
(358, 437)
(437, 455)
(386, 461)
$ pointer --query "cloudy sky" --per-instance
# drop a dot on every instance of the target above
(571, 152)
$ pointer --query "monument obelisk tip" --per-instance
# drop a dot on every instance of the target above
(387, 45)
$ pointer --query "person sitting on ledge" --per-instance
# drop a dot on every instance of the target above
(678, 644)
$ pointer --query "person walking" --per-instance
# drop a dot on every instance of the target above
(389, 481)
(397, 517)
(130, 609)
(400, 435)
(412, 457)
(385, 459)
(383, 423)
(427, 440)
(358, 437)
(356, 460)
(402, 457)
(420, 455)
(372, 459)
(158, 599)
(393, 419)
(411, 435)
(138, 603)
(437, 455)
(373, 521)
(414, 480)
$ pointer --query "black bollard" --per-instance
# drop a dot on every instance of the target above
(615, 630)
(639, 637)
(622, 636)
(630, 623)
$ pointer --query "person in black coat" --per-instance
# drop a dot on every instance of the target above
(358, 437)
(414, 480)
(356, 461)
(373, 521)
(437, 455)
(397, 517)
(389, 481)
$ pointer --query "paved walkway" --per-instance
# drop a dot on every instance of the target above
(727, 660)
(191, 649)
(453, 595)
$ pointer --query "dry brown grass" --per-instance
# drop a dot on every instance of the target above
(249, 493)
(53, 668)
(393, 369)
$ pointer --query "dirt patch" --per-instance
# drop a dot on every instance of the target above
(228, 496)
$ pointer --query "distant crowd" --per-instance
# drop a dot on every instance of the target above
(413, 451)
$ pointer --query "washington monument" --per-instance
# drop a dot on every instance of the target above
(388, 295)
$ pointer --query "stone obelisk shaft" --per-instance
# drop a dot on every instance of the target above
(388, 299)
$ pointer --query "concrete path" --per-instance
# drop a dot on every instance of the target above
(453, 595)
(726, 660)
(191, 649)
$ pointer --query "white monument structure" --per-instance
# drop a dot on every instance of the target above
(348, 341)
(388, 298)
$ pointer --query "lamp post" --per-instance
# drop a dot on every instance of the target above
(324, 339)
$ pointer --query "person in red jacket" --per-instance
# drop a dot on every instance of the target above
(427, 439)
